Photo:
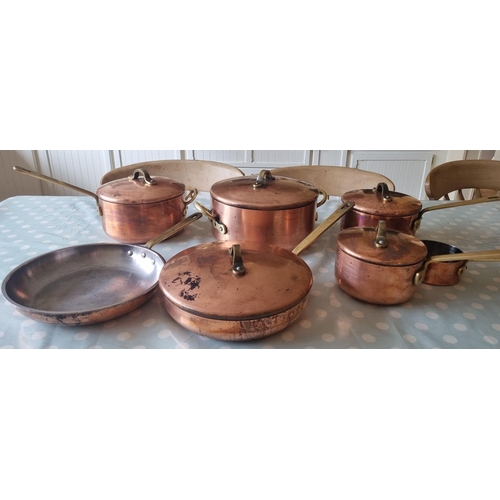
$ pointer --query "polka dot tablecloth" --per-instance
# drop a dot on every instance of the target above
(463, 316)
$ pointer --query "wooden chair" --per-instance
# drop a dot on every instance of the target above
(334, 180)
(481, 175)
(199, 174)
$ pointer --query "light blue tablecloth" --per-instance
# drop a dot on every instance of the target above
(463, 316)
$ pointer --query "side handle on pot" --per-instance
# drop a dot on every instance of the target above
(208, 214)
(188, 197)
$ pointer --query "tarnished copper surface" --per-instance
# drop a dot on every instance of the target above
(401, 250)
(235, 330)
(374, 283)
(137, 191)
(283, 227)
(140, 223)
(403, 224)
(278, 194)
(443, 273)
(200, 281)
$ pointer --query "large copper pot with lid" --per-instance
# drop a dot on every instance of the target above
(385, 267)
(264, 208)
(400, 211)
(137, 208)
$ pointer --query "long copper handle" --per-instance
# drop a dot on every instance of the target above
(42, 177)
(329, 221)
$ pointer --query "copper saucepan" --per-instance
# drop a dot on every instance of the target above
(229, 290)
(87, 284)
(401, 212)
(137, 208)
(385, 267)
(265, 208)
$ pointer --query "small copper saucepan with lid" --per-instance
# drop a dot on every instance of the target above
(401, 212)
(269, 209)
(385, 267)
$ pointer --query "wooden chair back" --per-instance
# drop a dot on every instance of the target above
(481, 175)
(334, 180)
(199, 174)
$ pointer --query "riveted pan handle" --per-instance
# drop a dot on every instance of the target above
(42, 177)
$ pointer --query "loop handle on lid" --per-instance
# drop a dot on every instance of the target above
(263, 177)
(238, 268)
(382, 189)
(147, 178)
(381, 238)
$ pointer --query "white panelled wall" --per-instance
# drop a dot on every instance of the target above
(84, 168)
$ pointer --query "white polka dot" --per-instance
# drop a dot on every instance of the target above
(450, 296)
(460, 327)
(475, 273)
(358, 314)
(492, 288)
(475, 305)
(288, 336)
(139, 347)
(421, 326)
(305, 323)
(484, 296)
(328, 337)
(164, 334)
(323, 270)
(409, 338)
(450, 339)
(335, 303)
(490, 340)
(382, 326)
(441, 305)
(81, 335)
(38, 335)
(110, 324)
(329, 284)
(496, 327)
(469, 316)
(395, 314)
(425, 286)
(459, 287)
(27, 322)
(432, 315)
(95, 347)
(124, 336)
(315, 293)
(321, 313)
(368, 337)
(135, 312)
(149, 322)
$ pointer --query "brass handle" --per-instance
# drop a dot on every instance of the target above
(323, 199)
(416, 222)
(188, 198)
(329, 221)
(382, 190)
(42, 177)
(264, 177)
(237, 267)
(172, 231)
(381, 236)
(208, 214)
(148, 180)
(480, 256)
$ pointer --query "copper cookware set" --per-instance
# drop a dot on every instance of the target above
(250, 282)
